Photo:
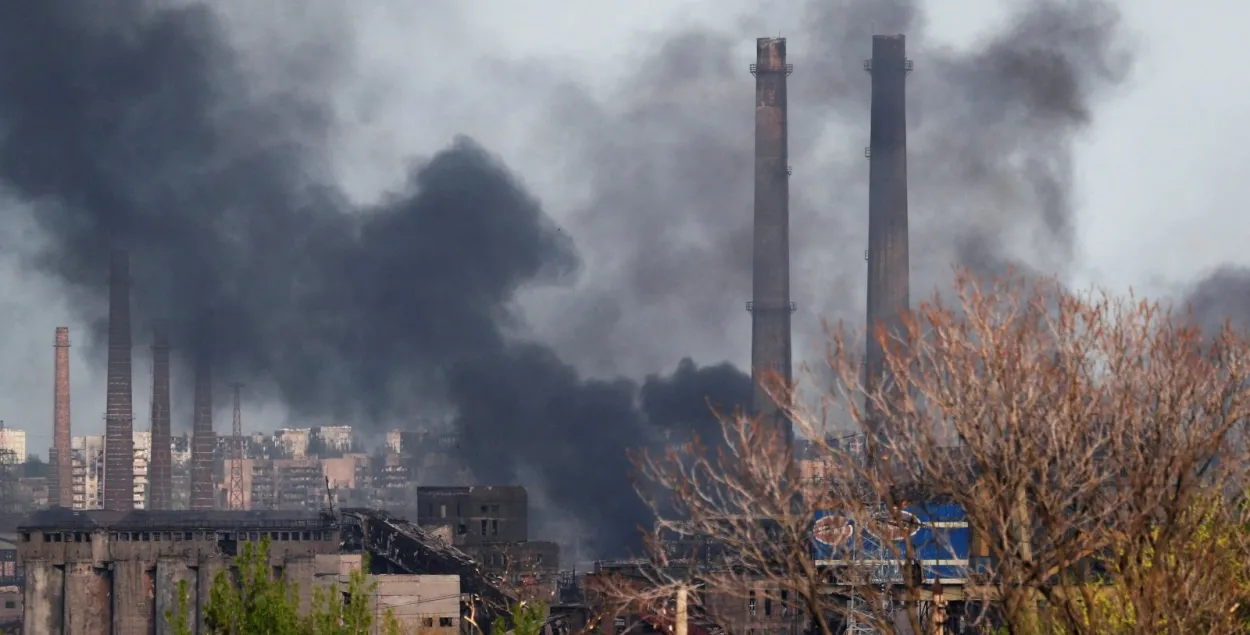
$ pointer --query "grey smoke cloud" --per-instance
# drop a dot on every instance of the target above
(206, 147)
(667, 156)
(149, 136)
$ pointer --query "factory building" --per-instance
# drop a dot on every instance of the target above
(106, 571)
(489, 523)
(102, 570)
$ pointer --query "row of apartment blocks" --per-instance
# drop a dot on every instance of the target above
(292, 469)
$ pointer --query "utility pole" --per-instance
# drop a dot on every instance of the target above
(236, 451)
(682, 612)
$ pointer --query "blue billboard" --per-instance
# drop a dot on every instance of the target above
(939, 537)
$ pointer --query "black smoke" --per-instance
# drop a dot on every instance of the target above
(134, 126)
(993, 128)
(1223, 295)
(138, 126)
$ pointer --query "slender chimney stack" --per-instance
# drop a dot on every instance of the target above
(887, 198)
(61, 485)
(161, 472)
(119, 481)
(203, 441)
(770, 306)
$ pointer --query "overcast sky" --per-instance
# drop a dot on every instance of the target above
(1158, 170)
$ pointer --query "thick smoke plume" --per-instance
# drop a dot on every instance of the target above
(1222, 295)
(135, 126)
(668, 156)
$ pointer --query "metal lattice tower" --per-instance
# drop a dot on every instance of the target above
(883, 574)
(236, 451)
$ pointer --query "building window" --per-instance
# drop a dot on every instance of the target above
(483, 526)
(429, 622)
(618, 623)
(768, 605)
(10, 604)
(442, 511)
(494, 528)
(444, 622)
(462, 529)
(751, 605)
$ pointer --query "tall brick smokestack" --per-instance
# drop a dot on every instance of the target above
(887, 198)
(61, 486)
(119, 479)
(202, 439)
(161, 472)
(770, 305)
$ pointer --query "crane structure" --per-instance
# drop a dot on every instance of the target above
(236, 450)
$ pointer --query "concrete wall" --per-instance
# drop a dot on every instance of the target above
(426, 604)
(133, 597)
(429, 604)
(11, 611)
(88, 609)
(475, 514)
(125, 582)
(205, 573)
(170, 573)
(44, 600)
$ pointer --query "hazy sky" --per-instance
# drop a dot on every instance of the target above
(1157, 171)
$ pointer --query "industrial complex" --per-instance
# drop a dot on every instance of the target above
(128, 516)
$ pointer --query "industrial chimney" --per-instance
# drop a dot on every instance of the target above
(887, 198)
(119, 481)
(203, 441)
(61, 486)
(770, 306)
(161, 472)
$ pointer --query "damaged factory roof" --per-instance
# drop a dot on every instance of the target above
(103, 519)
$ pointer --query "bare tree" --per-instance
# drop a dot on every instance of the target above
(1093, 444)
